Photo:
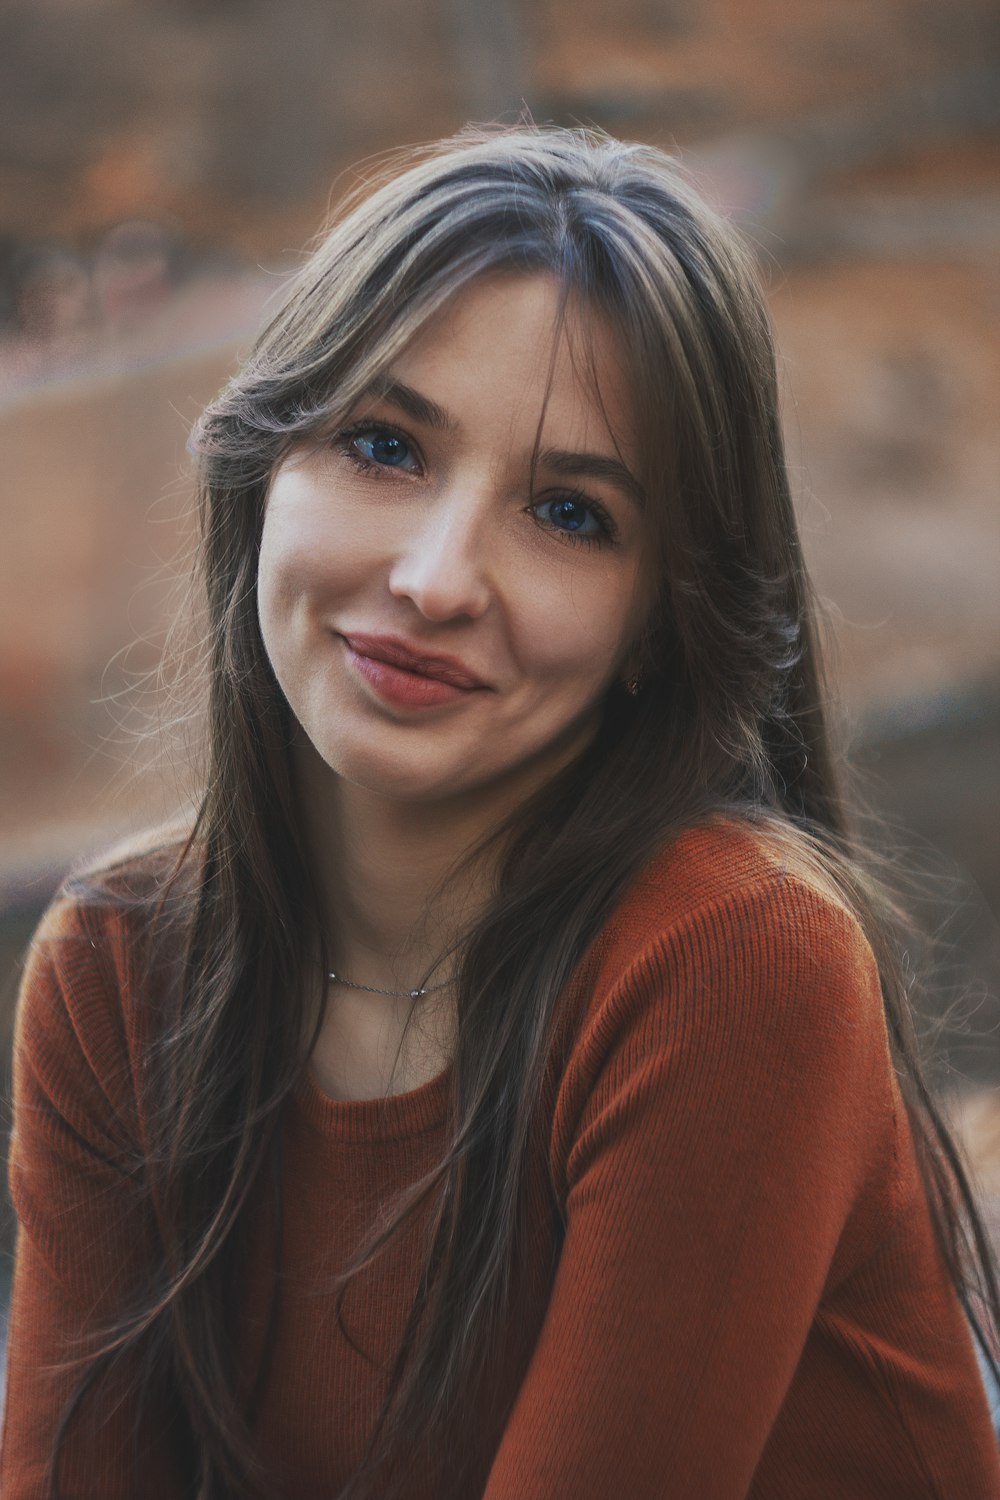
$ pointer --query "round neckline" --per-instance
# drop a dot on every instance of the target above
(382, 1118)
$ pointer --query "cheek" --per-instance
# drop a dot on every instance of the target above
(304, 565)
(577, 625)
(290, 597)
(316, 539)
(271, 574)
(279, 584)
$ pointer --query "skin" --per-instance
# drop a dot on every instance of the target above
(431, 534)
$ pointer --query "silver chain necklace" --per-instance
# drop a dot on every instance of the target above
(371, 989)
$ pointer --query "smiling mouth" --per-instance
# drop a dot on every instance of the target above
(395, 653)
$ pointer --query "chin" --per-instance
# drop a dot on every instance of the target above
(400, 777)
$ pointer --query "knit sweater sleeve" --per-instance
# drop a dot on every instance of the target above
(85, 1234)
(727, 1103)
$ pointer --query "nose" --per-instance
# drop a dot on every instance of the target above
(442, 565)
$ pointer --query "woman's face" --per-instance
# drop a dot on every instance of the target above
(436, 628)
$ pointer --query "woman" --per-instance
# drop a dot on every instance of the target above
(508, 1086)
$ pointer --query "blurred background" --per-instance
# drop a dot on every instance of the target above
(162, 162)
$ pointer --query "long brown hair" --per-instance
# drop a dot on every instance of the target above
(730, 722)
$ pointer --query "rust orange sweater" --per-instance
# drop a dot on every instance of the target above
(732, 1288)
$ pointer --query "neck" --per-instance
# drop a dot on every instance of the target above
(383, 868)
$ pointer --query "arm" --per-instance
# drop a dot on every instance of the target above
(741, 1100)
(85, 1234)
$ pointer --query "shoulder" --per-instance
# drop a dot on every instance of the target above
(732, 984)
(728, 890)
(108, 907)
(86, 959)
(731, 945)
(87, 1004)
(723, 859)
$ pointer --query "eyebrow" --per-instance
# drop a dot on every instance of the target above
(420, 408)
(593, 466)
(561, 460)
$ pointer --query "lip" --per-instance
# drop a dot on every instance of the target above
(395, 652)
(405, 678)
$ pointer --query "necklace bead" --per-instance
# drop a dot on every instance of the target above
(371, 989)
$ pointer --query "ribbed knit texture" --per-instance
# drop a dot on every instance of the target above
(747, 1299)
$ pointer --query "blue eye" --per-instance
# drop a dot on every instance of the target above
(374, 448)
(575, 517)
(383, 448)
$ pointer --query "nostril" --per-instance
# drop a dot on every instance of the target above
(442, 583)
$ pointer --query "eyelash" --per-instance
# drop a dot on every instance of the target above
(608, 535)
(344, 444)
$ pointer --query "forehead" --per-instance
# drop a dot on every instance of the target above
(509, 347)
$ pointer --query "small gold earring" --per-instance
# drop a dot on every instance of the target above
(633, 684)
